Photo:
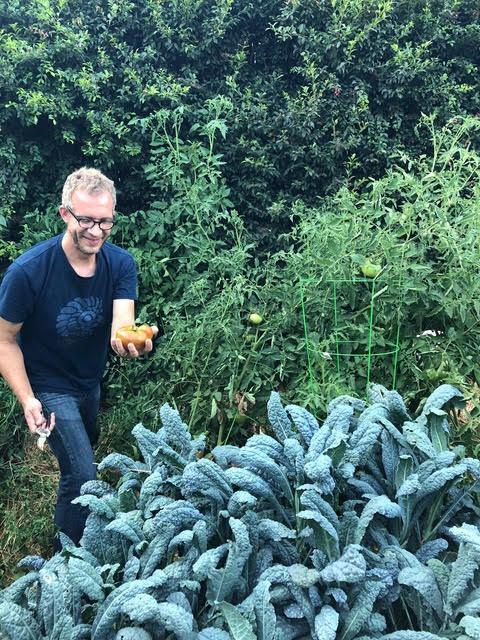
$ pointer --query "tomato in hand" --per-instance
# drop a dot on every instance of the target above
(134, 335)
(148, 330)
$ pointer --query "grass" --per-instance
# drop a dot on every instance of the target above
(28, 493)
(27, 501)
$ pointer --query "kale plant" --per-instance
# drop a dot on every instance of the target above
(365, 527)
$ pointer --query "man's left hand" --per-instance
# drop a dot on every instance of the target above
(132, 351)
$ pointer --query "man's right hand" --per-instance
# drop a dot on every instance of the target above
(34, 417)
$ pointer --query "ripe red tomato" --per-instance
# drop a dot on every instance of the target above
(135, 335)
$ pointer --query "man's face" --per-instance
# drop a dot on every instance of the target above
(95, 206)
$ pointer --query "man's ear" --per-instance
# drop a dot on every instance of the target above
(63, 213)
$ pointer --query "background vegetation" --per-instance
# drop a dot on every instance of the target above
(256, 148)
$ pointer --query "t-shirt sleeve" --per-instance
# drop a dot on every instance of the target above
(125, 287)
(16, 295)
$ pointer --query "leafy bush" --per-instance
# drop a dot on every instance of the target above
(319, 92)
(364, 527)
(420, 223)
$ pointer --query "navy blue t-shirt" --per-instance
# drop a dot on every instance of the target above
(66, 318)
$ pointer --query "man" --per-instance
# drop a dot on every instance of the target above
(61, 303)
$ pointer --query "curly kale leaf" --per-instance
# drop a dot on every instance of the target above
(222, 582)
(318, 471)
(132, 633)
(97, 488)
(362, 441)
(431, 549)
(128, 525)
(378, 504)
(390, 453)
(361, 610)
(176, 431)
(211, 633)
(269, 446)
(471, 625)
(240, 502)
(240, 627)
(17, 623)
(278, 417)
(336, 425)
(264, 611)
(464, 567)
(444, 395)
(143, 608)
(151, 487)
(207, 479)
(350, 567)
(273, 531)
(422, 579)
(305, 422)
(86, 579)
(148, 442)
(411, 635)
(112, 607)
(249, 481)
(121, 464)
(257, 462)
(357, 405)
(418, 438)
(326, 623)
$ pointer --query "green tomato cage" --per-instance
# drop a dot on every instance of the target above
(346, 344)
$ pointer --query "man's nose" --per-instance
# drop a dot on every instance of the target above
(95, 230)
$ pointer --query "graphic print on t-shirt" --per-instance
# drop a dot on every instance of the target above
(80, 317)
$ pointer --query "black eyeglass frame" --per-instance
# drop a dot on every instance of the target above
(111, 223)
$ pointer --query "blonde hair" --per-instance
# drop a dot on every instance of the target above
(89, 180)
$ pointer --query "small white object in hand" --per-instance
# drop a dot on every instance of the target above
(43, 435)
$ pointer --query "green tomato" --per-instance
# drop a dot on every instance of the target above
(255, 318)
(370, 270)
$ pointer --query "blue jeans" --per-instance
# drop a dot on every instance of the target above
(72, 442)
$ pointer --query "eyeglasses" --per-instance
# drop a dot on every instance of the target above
(89, 223)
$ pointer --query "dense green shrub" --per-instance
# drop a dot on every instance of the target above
(364, 527)
(419, 222)
(319, 91)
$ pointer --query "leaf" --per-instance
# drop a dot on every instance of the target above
(471, 626)
(417, 438)
(443, 395)
(379, 504)
(404, 469)
(422, 579)
(351, 567)
(113, 604)
(306, 424)
(222, 582)
(461, 575)
(264, 611)
(361, 609)
(17, 623)
(438, 432)
(240, 627)
(278, 418)
(177, 433)
(143, 608)
(326, 623)
(212, 633)
(86, 579)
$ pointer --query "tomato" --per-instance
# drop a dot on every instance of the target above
(134, 335)
(148, 330)
(370, 270)
(255, 318)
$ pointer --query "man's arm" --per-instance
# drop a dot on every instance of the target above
(12, 369)
(124, 314)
